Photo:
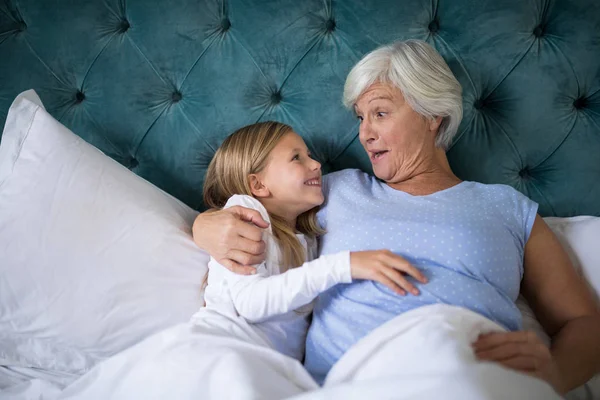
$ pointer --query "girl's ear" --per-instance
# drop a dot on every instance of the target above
(257, 186)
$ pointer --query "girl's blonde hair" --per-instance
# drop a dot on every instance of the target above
(246, 152)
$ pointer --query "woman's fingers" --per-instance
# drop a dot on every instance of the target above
(401, 264)
(243, 258)
(236, 267)
(508, 351)
(249, 246)
(521, 363)
(495, 339)
(249, 215)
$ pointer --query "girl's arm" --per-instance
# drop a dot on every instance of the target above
(258, 297)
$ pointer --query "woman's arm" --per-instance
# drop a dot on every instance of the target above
(232, 236)
(565, 307)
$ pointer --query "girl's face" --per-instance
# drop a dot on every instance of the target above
(291, 182)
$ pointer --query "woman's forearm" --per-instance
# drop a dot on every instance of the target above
(576, 351)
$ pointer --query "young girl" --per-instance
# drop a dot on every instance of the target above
(267, 167)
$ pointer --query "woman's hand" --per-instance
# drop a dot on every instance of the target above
(233, 237)
(522, 351)
(387, 268)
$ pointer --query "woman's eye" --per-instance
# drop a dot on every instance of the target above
(359, 118)
(380, 114)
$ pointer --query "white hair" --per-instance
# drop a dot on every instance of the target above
(423, 77)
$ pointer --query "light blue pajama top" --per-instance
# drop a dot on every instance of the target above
(468, 240)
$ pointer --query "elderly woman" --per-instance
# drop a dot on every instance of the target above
(479, 245)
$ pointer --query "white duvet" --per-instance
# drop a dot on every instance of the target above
(422, 354)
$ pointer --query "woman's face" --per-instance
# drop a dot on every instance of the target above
(396, 138)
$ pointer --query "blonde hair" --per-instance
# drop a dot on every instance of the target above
(422, 75)
(246, 152)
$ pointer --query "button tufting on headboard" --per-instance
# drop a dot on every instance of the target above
(529, 71)
(123, 26)
(479, 104)
(525, 173)
(225, 24)
(176, 96)
(580, 103)
(434, 26)
(79, 96)
(276, 97)
(330, 25)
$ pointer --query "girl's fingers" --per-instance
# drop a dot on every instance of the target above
(399, 280)
(385, 280)
(401, 264)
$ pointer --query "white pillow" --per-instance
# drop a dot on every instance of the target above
(92, 257)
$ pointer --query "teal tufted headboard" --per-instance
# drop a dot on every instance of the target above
(157, 85)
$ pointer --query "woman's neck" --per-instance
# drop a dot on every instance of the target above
(430, 176)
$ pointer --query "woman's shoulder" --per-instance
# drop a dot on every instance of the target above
(496, 189)
(506, 199)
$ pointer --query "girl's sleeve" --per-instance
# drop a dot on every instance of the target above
(260, 296)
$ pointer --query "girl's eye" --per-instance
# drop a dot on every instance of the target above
(296, 157)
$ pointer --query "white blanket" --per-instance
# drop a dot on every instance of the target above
(422, 354)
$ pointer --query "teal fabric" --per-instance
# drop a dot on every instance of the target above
(157, 85)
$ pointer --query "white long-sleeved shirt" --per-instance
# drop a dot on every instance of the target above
(270, 306)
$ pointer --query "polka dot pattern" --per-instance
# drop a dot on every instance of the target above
(468, 240)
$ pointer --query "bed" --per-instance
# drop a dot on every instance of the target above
(101, 175)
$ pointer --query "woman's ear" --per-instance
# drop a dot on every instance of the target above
(434, 123)
(257, 187)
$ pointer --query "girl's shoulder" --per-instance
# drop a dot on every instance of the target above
(248, 202)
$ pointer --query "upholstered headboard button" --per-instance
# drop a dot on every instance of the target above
(79, 96)
(580, 103)
(330, 25)
(225, 24)
(123, 26)
(276, 97)
(525, 173)
(434, 26)
(479, 104)
(131, 163)
(539, 31)
(176, 96)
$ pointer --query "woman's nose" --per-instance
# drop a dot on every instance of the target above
(365, 132)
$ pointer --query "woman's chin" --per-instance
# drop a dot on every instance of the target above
(381, 173)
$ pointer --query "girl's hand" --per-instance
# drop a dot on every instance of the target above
(522, 351)
(387, 268)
